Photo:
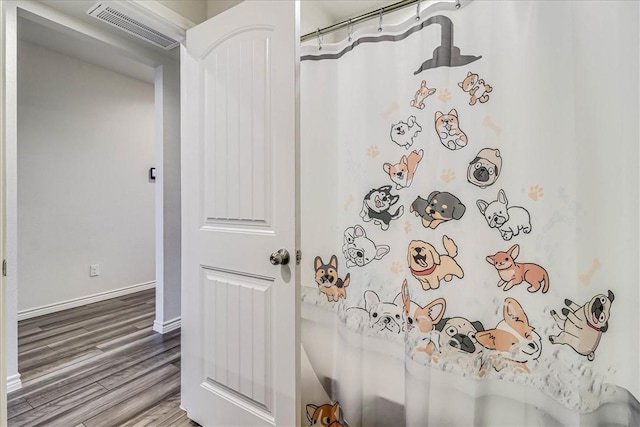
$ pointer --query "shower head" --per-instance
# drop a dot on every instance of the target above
(445, 55)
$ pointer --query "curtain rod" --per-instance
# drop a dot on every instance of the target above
(364, 17)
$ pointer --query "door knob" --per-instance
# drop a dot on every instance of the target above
(281, 257)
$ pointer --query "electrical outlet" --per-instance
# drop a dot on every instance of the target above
(94, 270)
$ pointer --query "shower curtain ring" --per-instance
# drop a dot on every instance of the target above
(380, 22)
(418, 11)
(319, 39)
(350, 29)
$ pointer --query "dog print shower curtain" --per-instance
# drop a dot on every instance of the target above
(470, 218)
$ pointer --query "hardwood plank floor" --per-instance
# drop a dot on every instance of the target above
(98, 365)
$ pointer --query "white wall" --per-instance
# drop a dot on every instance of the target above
(85, 144)
(314, 15)
(214, 7)
(168, 227)
(193, 10)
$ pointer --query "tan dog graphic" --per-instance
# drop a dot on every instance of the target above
(584, 325)
(476, 87)
(513, 342)
(448, 130)
(512, 273)
(424, 318)
(402, 173)
(325, 415)
(485, 168)
(328, 281)
(456, 341)
(429, 267)
(423, 93)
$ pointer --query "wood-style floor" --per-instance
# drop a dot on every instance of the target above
(98, 365)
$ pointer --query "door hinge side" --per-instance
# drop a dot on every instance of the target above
(298, 256)
(4, 268)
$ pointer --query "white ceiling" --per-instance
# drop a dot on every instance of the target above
(84, 49)
(314, 14)
(78, 10)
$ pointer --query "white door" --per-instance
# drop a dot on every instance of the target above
(240, 352)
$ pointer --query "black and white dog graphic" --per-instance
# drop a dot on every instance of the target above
(377, 206)
(359, 250)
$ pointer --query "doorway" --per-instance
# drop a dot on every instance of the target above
(86, 202)
(162, 72)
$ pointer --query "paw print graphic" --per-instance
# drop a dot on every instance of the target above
(535, 192)
(348, 202)
(373, 151)
(448, 175)
(444, 95)
(396, 267)
(407, 227)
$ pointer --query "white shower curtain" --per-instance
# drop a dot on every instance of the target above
(470, 218)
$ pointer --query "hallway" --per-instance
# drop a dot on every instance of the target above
(98, 365)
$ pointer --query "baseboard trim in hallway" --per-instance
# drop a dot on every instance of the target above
(13, 383)
(98, 365)
(168, 326)
(78, 302)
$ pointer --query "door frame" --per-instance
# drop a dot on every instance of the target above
(3, 371)
(167, 87)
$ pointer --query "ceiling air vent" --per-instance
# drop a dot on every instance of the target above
(138, 22)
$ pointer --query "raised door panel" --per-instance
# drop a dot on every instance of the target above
(237, 335)
(237, 138)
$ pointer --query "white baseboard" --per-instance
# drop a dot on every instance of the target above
(14, 383)
(168, 326)
(77, 302)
